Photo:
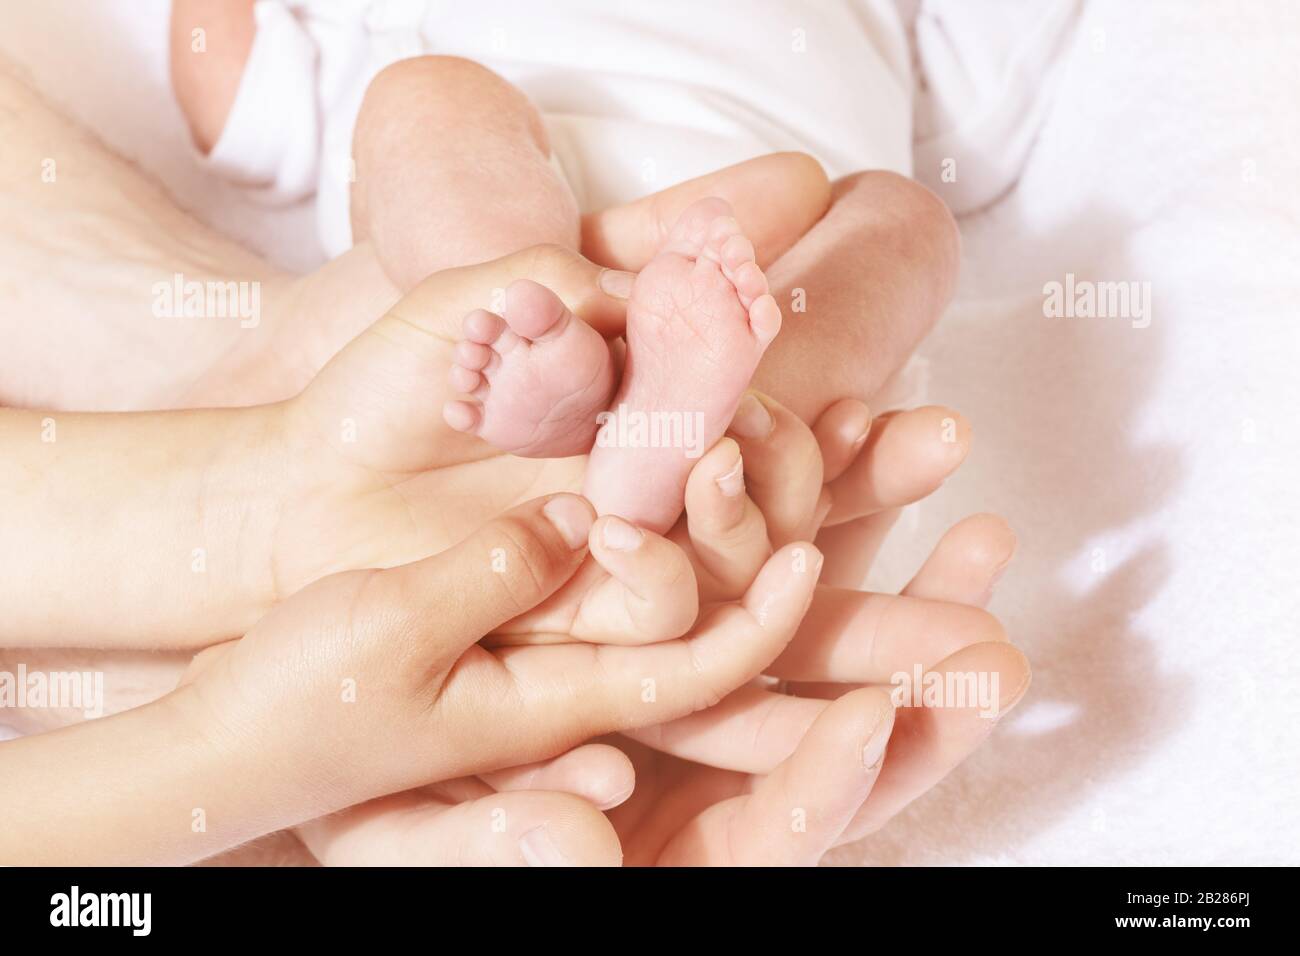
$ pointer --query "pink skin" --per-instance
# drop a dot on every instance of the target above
(537, 376)
(698, 321)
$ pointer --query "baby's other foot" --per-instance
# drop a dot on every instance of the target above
(538, 376)
(698, 321)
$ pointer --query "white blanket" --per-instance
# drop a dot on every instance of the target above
(1148, 471)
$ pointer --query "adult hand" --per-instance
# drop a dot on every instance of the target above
(781, 773)
(371, 682)
(766, 776)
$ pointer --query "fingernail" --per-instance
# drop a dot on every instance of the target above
(994, 578)
(752, 419)
(1001, 569)
(616, 800)
(571, 516)
(538, 849)
(732, 484)
(616, 283)
(873, 754)
(1008, 701)
(997, 576)
(618, 535)
(860, 429)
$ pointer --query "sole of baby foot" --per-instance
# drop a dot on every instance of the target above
(698, 321)
(536, 376)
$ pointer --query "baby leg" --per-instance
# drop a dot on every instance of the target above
(777, 198)
(540, 401)
(860, 290)
(453, 167)
(698, 321)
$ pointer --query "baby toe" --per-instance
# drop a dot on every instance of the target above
(722, 229)
(532, 310)
(750, 283)
(472, 355)
(691, 231)
(765, 319)
(482, 326)
(462, 416)
(735, 252)
(464, 380)
(507, 342)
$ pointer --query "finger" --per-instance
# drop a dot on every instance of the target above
(783, 466)
(527, 828)
(851, 548)
(861, 637)
(569, 693)
(841, 431)
(751, 730)
(628, 236)
(724, 528)
(649, 594)
(799, 811)
(967, 562)
(435, 307)
(928, 742)
(906, 457)
(600, 774)
(437, 607)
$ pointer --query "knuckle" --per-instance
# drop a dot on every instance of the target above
(905, 198)
(524, 562)
(711, 678)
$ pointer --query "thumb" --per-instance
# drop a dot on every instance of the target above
(443, 604)
(594, 294)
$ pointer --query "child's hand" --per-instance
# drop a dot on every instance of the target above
(384, 481)
(370, 682)
(377, 477)
(771, 750)
(641, 587)
(226, 511)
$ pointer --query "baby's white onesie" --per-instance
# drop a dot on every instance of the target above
(636, 96)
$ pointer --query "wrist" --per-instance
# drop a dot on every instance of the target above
(155, 521)
(246, 491)
(164, 794)
(244, 786)
(242, 719)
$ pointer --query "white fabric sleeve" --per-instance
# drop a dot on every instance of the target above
(271, 141)
(987, 74)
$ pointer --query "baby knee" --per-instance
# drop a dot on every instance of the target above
(910, 208)
(431, 84)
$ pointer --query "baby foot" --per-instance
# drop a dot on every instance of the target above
(538, 374)
(698, 321)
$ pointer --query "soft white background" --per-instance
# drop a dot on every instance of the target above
(1150, 473)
